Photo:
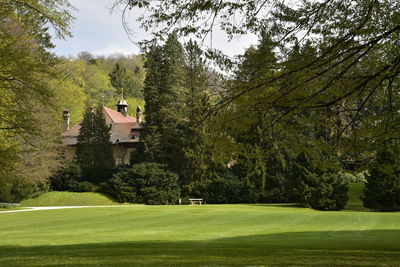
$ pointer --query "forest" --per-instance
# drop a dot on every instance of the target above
(312, 107)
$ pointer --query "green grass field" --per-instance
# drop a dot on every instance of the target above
(199, 235)
(69, 199)
(208, 235)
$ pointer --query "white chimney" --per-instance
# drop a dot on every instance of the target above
(138, 114)
(66, 120)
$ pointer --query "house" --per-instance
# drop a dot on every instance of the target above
(125, 132)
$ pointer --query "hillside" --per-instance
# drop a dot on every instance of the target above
(68, 199)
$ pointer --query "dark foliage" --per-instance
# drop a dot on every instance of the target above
(327, 192)
(316, 187)
(68, 178)
(382, 190)
(18, 189)
(94, 150)
(149, 183)
(223, 188)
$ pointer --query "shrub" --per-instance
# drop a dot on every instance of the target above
(18, 188)
(68, 178)
(327, 192)
(352, 178)
(66, 174)
(8, 205)
(225, 188)
(276, 189)
(149, 183)
(382, 190)
(316, 187)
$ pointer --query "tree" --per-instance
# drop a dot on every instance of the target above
(382, 189)
(121, 79)
(317, 185)
(150, 183)
(193, 163)
(357, 57)
(94, 152)
(27, 146)
(164, 94)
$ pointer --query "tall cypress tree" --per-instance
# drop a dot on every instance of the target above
(195, 159)
(150, 130)
(164, 94)
(94, 151)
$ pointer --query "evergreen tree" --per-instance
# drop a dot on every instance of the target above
(195, 162)
(94, 151)
(120, 79)
(152, 85)
(164, 94)
(254, 139)
(382, 190)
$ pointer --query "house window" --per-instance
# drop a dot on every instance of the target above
(118, 161)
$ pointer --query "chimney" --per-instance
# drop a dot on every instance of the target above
(138, 115)
(66, 120)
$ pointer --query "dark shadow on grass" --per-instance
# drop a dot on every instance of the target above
(344, 248)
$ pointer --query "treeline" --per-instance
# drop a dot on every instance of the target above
(239, 151)
(289, 125)
(36, 86)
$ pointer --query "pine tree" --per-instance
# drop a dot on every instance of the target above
(195, 163)
(164, 94)
(121, 79)
(382, 190)
(150, 130)
(94, 151)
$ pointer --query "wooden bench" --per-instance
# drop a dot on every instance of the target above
(195, 201)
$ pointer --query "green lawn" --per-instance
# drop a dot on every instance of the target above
(69, 199)
(211, 235)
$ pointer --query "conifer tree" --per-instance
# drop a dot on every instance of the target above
(195, 163)
(94, 151)
(382, 190)
(164, 94)
(121, 79)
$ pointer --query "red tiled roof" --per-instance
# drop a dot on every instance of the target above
(117, 117)
(123, 129)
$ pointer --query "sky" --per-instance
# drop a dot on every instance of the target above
(101, 33)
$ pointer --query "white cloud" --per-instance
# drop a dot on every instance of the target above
(101, 33)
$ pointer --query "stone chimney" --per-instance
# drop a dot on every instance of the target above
(66, 120)
(138, 115)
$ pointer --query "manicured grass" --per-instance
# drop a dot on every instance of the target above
(68, 199)
(211, 235)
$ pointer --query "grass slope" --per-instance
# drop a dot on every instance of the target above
(68, 199)
(211, 235)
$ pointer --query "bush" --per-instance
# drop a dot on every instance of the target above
(121, 186)
(327, 192)
(8, 205)
(316, 187)
(276, 189)
(17, 188)
(382, 190)
(352, 178)
(225, 188)
(149, 183)
(68, 178)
